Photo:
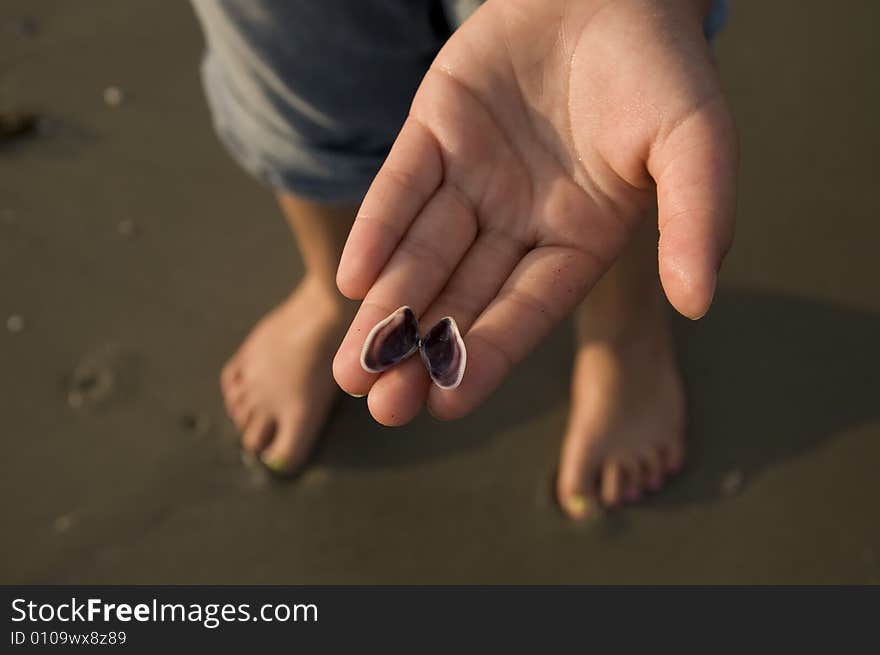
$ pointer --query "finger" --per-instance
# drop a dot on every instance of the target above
(415, 274)
(399, 394)
(411, 173)
(694, 167)
(543, 288)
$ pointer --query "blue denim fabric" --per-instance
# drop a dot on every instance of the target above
(309, 95)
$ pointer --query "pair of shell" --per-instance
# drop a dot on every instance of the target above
(396, 337)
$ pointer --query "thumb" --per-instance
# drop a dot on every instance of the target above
(694, 165)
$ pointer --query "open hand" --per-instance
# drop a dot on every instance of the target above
(542, 135)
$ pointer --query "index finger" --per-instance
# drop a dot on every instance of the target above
(409, 177)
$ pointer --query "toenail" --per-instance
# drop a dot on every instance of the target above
(578, 506)
(276, 464)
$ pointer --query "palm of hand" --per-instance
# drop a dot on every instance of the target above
(532, 150)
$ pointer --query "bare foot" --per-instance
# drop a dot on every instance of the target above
(625, 431)
(279, 388)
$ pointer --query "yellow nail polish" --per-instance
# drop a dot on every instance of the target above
(578, 506)
(275, 464)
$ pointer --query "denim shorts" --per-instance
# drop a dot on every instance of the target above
(309, 95)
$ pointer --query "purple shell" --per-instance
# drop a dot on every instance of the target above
(396, 337)
(444, 354)
(392, 340)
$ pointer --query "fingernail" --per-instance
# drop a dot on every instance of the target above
(276, 464)
(578, 506)
(356, 395)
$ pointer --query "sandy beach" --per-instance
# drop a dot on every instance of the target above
(135, 256)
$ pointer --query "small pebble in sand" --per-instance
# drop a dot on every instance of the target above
(15, 323)
(113, 96)
(732, 483)
(196, 423)
(127, 228)
(63, 523)
(93, 381)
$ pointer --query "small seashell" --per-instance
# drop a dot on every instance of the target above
(391, 340)
(444, 354)
(396, 337)
(15, 323)
(113, 96)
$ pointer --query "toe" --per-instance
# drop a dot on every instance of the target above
(399, 394)
(230, 374)
(240, 415)
(672, 456)
(577, 498)
(652, 469)
(289, 449)
(612, 484)
(257, 432)
(234, 398)
(632, 479)
(239, 407)
(576, 482)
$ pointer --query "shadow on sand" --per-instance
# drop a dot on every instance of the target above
(770, 376)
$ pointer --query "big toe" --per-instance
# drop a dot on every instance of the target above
(257, 432)
(290, 448)
(576, 480)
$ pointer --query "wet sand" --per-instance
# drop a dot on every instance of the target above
(136, 256)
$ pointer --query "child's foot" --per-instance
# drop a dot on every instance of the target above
(625, 431)
(278, 388)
